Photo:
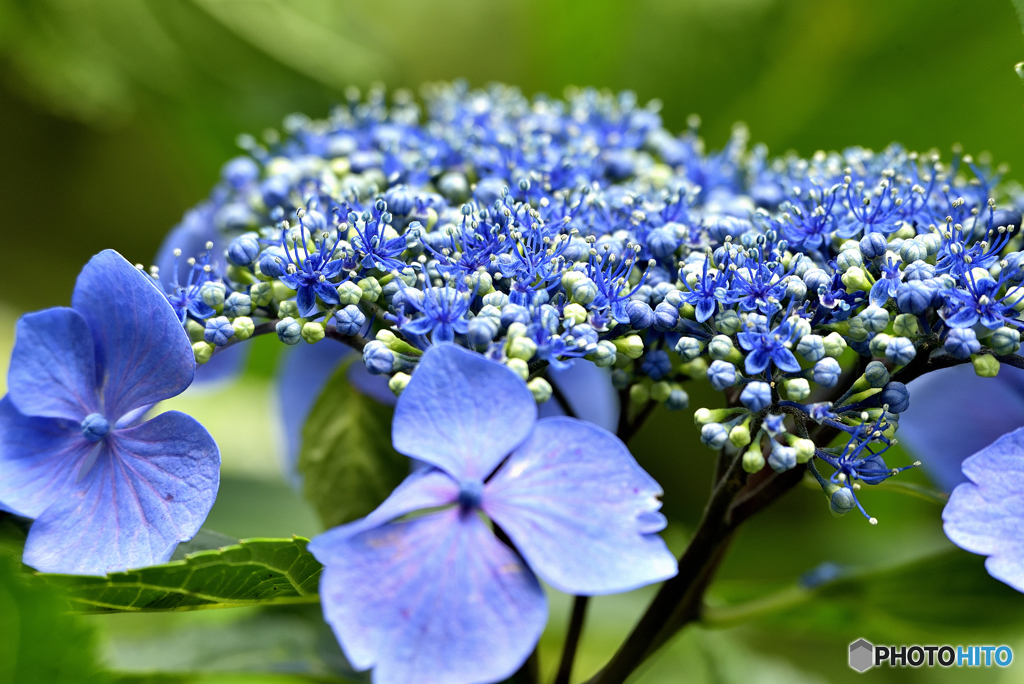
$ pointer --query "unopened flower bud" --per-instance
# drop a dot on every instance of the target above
(728, 322)
(689, 348)
(641, 315)
(660, 391)
(203, 351)
(521, 368)
(826, 372)
(896, 396)
(804, 448)
(237, 304)
(218, 331)
(876, 374)
(900, 351)
(848, 260)
(714, 435)
(782, 458)
(739, 436)
(639, 394)
(244, 327)
(1005, 341)
(840, 500)
(678, 399)
(631, 346)
(797, 389)
(576, 313)
(961, 343)
(753, 460)
(398, 382)
(522, 347)
(313, 332)
(878, 344)
(378, 358)
(721, 374)
(243, 250)
(906, 325)
(371, 289)
(603, 355)
(985, 365)
(541, 389)
(811, 347)
(289, 308)
(855, 279)
(756, 396)
(349, 293)
(261, 294)
(666, 317)
(196, 330)
(288, 330)
(212, 295)
(835, 345)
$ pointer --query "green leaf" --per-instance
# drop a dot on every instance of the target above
(39, 642)
(347, 462)
(1019, 4)
(941, 594)
(255, 571)
(206, 645)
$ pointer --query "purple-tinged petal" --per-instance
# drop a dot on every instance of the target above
(589, 391)
(434, 599)
(150, 488)
(423, 489)
(143, 354)
(954, 413)
(53, 366)
(462, 412)
(581, 510)
(39, 459)
(986, 515)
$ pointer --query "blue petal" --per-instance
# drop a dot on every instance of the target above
(756, 361)
(986, 515)
(462, 412)
(150, 488)
(53, 366)
(39, 459)
(306, 299)
(954, 413)
(301, 377)
(580, 510)
(143, 354)
(785, 360)
(424, 488)
(705, 307)
(589, 391)
(434, 599)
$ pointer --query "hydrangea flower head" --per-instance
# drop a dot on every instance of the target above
(106, 491)
(439, 597)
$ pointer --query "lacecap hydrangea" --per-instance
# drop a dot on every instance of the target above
(537, 249)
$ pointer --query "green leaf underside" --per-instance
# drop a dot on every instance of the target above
(347, 462)
(253, 572)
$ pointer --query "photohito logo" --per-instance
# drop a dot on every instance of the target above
(864, 655)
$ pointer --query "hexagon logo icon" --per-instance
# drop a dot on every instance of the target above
(862, 655)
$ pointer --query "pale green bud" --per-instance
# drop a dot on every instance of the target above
(703, 416)
(698, 368)
(371, 289)
(196, 330)
(261, 294)
(857, 331)
(631, 346)
(584, 291)
(349, 293)
(541, 389)
(313, 332)
(288, 309)
(202, 351)
(244, 327)
(212, 295)
(804, 448)
(521, 368)
(604, 355)
(282, 291)
(906, 325)
(728, 322)
(985, 365)
(575, 313)
(720, 347)
(739, 436)
(522, 348)
(835, 345)
(398, 382)
(660, 391)
(753, 461)
(515, 329)
(797, 389)
(495, 299)
(570, 278)
(855, 278)
(878, 345)
(639, 394)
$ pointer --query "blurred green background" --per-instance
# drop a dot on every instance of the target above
(116, 115)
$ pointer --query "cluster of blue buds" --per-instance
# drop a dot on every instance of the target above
(539, 232)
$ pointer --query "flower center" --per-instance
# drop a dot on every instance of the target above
(471, 493)
(95, 427)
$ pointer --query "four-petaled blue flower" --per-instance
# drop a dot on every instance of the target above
(438, 596)
(769, 347)
(106, 491)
